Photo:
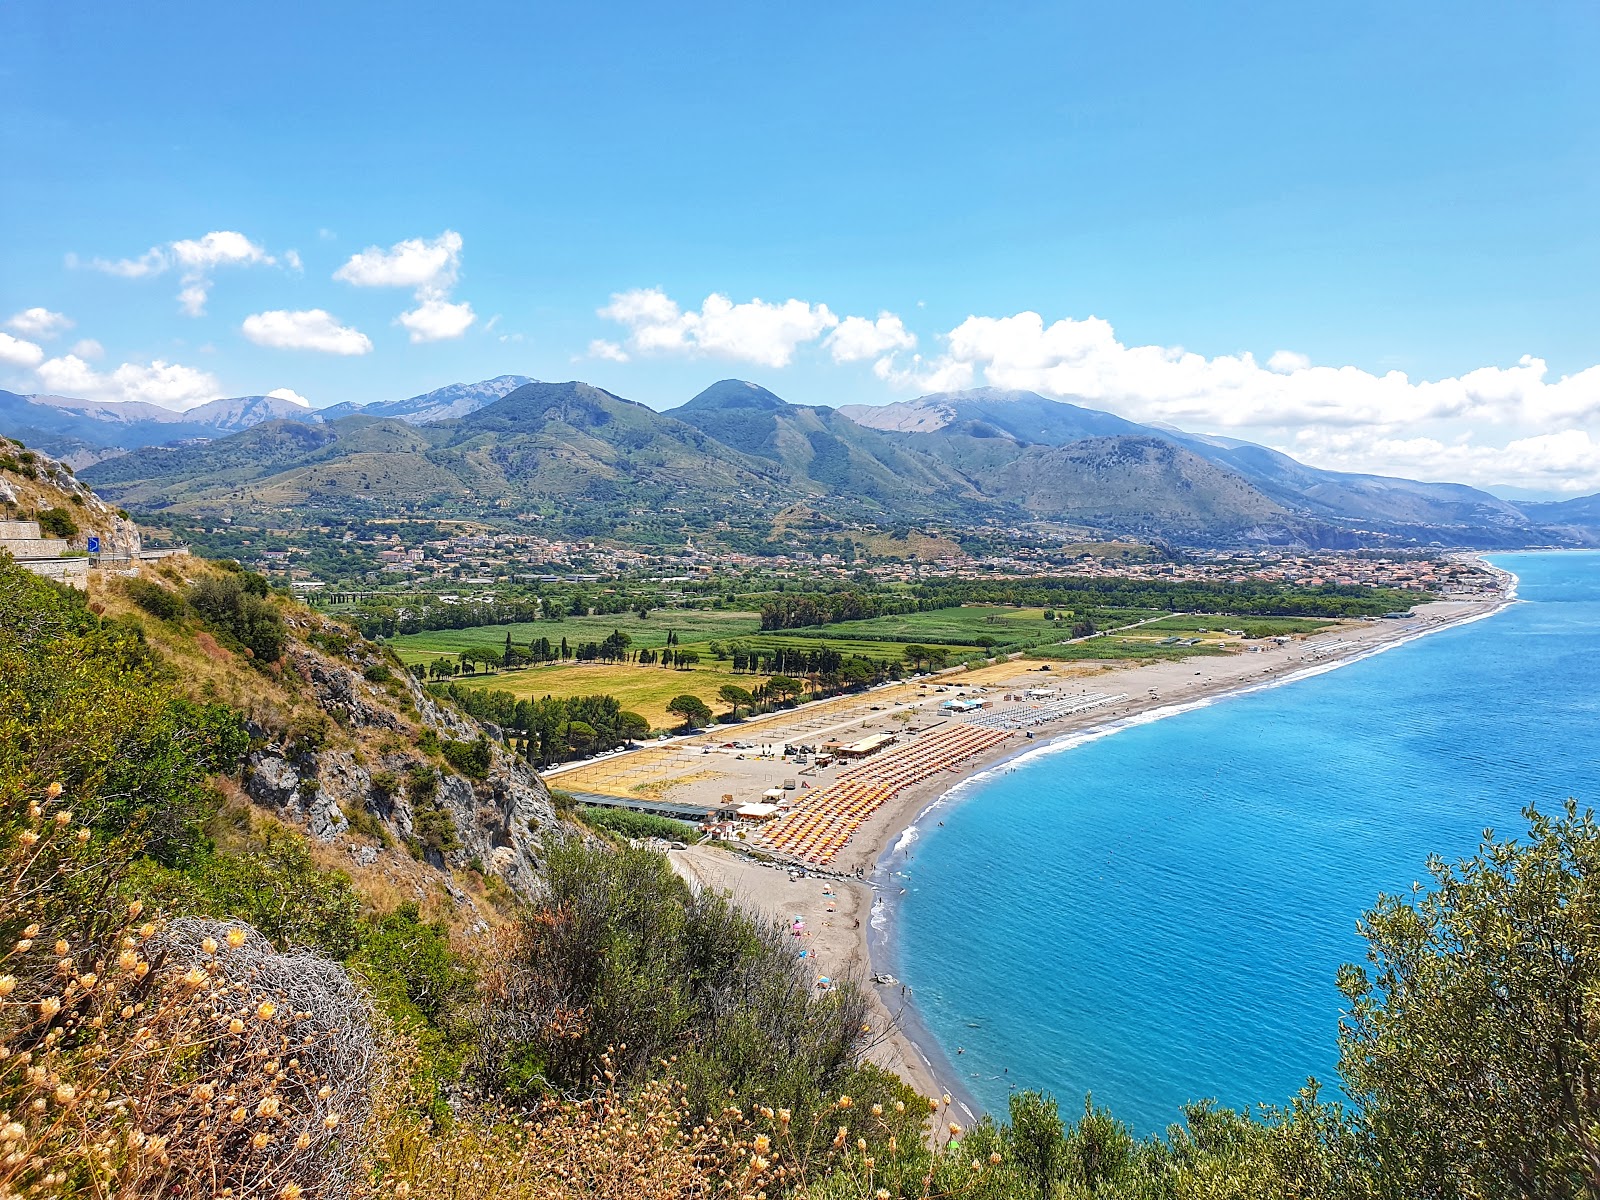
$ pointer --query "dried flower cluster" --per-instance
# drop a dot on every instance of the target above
(153, 1058)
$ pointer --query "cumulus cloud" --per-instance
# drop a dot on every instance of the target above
(437, 320)
(40, 323)
(611, 351)
(1566, 461)
(1084, 359)
(195, 258)
(171, 385)
(88, 348)
(431, 267)
(311, 329)
(15, 352)
(413, 263)
(289, 394)
(755, 331)
(1518, 424)
(857, 339)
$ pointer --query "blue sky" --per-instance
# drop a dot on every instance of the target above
(1358, 190)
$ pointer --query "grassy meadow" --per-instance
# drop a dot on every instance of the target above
(644, 690)
(691, 626)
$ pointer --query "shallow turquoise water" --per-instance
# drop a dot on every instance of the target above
(1157, 916)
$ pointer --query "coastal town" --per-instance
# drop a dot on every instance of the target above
(495, 558)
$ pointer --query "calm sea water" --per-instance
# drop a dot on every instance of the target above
(1157, 916)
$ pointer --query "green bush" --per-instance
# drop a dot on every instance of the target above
(236, 606)
(158, 601)
(57, 522)
(472, 759)
(680, 974)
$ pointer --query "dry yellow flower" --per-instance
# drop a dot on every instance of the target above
(8, 984)
(49, 1007)
(266, 1010)
(209, 945)
(235, 938)
(53, 790)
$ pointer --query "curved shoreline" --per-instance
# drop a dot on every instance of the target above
(878, 943)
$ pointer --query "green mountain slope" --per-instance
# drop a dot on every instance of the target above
(823, 452)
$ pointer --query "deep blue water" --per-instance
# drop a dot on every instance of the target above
(1157, 916)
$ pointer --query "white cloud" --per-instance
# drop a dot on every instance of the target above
(40, 323)
(431, 267)
(437, 320)
(15, 352)
(292, 258)
(1515, 425)
(197, 258)
(171, 385)
(413, 263)
(151, 262)
(1084, 359)
(312, 329)
(1565, 461)
(611, 351)
(756, 331)
(218, 249)
(859, 338)
(88, 348)
(289, 394)
(192, 298)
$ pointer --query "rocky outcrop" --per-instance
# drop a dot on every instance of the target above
(500, 822)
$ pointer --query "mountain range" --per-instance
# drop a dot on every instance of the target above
(83, 432)
(739, 460)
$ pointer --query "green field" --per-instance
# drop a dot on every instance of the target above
(1253, 626)
(962, 626)
(793, 640)
(699, 625)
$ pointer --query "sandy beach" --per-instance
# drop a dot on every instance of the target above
(835, 901)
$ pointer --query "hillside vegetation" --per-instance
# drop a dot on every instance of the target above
(192, 1000)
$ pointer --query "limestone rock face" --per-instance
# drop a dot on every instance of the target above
(500, 822)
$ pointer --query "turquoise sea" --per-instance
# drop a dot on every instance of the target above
(1157, 915)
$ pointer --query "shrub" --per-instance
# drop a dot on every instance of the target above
(57, 522)
(236, 606)
(472, 759)
(682, 974)
(158, 601)
(147, 1060)
(433, 828)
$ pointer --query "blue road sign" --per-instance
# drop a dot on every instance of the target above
(94, 544)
